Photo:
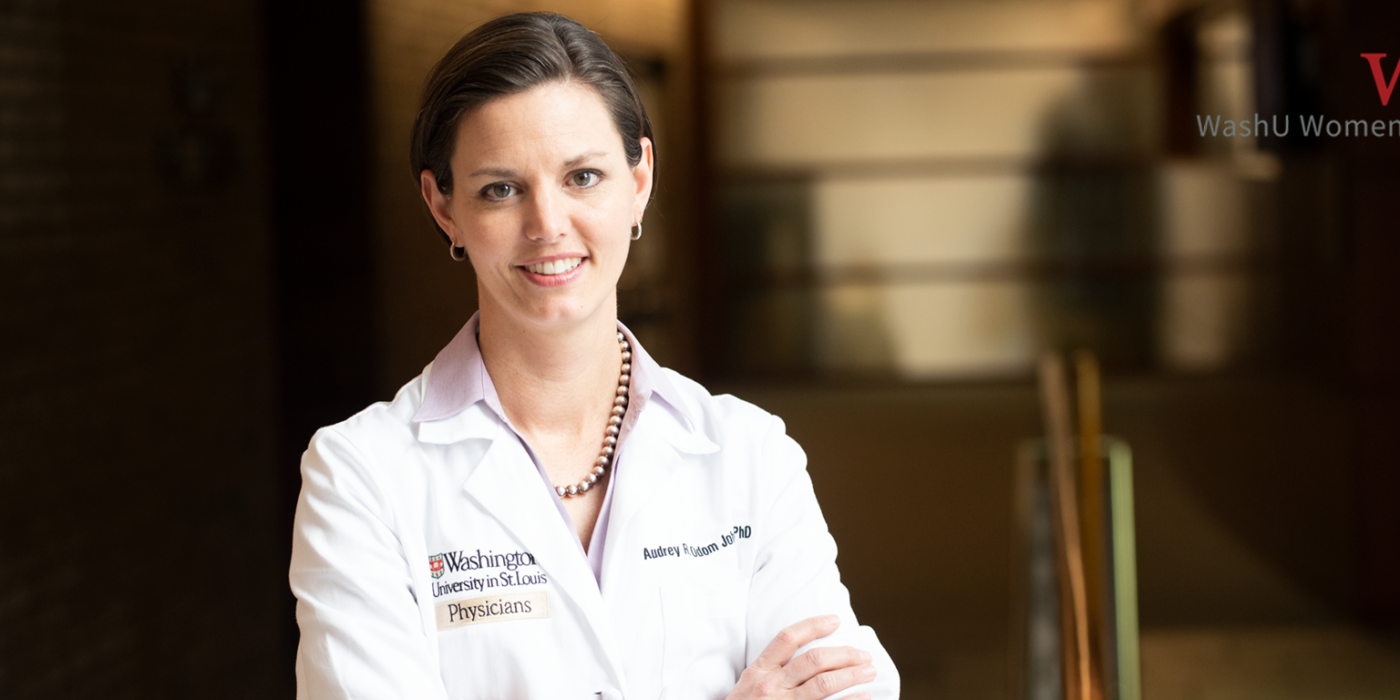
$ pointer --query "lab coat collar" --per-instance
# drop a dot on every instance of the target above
(457, 379)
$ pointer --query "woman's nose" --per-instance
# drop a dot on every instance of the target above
(548, 220)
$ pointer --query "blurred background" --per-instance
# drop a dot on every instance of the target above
(871, 218)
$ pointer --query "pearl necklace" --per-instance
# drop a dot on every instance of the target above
(614, 427)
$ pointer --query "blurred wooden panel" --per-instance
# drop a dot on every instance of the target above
(1020, 113)
(786, 28)
(927, 331)
(930, 219)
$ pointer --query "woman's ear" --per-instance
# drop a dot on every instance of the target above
(438, 203)
(641, 174)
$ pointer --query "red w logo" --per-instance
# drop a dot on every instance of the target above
(1381, 86)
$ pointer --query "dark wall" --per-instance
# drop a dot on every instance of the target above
(318, 113)
(141, 547)
(1338, 264)
(318, 121)
(1368, 248)
(185, 296)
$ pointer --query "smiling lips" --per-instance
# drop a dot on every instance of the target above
(553, 273)
(554, 267)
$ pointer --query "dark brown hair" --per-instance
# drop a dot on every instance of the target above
(510, 55)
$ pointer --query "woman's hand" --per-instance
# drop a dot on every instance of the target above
(815, 674)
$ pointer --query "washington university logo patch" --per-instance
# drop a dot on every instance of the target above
(435, 565)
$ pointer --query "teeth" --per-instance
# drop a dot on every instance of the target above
(554, 267)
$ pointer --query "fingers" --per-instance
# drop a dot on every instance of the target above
(815, 674)
(831, 682)
(788, 641)
(823, 659)
(823, 671)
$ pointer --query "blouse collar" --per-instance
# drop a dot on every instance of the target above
(457, 379)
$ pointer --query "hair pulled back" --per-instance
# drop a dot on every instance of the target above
(514, 54)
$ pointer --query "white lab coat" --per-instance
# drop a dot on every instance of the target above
(715, 543)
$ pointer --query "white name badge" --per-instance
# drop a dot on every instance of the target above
(492, 608)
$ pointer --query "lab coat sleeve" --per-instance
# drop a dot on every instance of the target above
(795, 575)
(361, 631)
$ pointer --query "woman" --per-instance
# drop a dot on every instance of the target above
(545, 512)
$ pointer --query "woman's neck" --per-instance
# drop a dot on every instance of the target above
(560, 380)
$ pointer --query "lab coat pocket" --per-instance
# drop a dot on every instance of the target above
(704, 641)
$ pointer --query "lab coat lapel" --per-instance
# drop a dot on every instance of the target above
(650, 464)
(506, 486)
(655, 452)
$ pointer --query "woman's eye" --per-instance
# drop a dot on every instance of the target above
(499, 190)
(586, 178)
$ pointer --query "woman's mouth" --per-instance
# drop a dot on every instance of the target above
(554, 267)
(553, 273)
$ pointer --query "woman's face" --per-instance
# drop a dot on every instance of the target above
(543, 201)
